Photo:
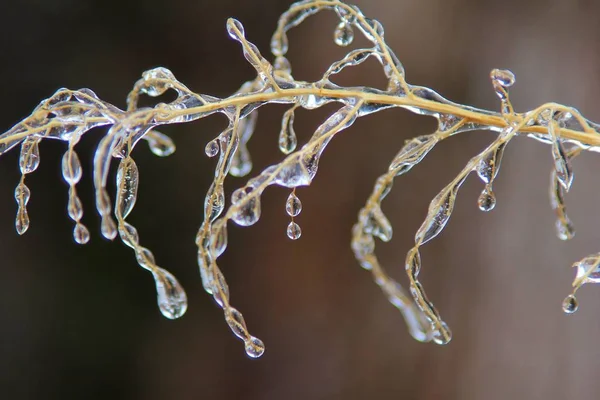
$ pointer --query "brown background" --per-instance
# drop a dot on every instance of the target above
(81, 322)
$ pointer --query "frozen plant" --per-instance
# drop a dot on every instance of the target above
(69, 114)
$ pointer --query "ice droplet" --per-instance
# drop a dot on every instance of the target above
(172, 300)
(343, 34)
(127, 186)
(570, 304)
(293, 231)
(503, 77)
(71, 167)
(293, 206)
(442, 335)
(212, 148)
(81, 234)
(248, 213)
(487, 200)
(287, 136)
(254, 347)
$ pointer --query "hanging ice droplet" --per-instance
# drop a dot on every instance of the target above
(565, 229)
(235, 28)
(212, 148)
(160, 144)
(570, 304)
(248, 213)
(293, 206)
(29, 159)
(287, 136)
(442, 335)
(127, 186)
(71, 167)
(108, 228)
(343, 34)
(282, 64)
(81, 234)
(293, 231)
(172, 300)
(503, 77)
(22, 194)
(22, 221)
(487, 200)
(254, 347)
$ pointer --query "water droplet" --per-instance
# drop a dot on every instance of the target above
(282, 64)
(81, 234)
(236, 322)
(212, 148)
(71, 167)
(248, 213)
(438, 215)
(74, 207)
(29, 159)
(293, 205)
(565, 229)
(254, 347)
(233, 25)
(279, 44)
(127, 186)
(160, 144)
(442, 335)
(145, 258)
(503, 77)
(22, 194)
(287, 136)
(22, 221)
(129, 235)
(487, 200)
(220, 239)
(343, 34)
(172, 300)
(108, 228)
(570, 304)
(293, 231)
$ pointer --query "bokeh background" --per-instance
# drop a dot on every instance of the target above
(81, 322)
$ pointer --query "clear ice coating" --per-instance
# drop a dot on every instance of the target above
(69, 114)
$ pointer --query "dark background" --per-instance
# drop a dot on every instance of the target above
(81, 322)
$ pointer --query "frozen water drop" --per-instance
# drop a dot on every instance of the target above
(108, 228)
(127, 186)
(503, 77)
(282, 64)
(22, 194)
(22, 221)
(343, 34)
(442, 335)
(29, 159)
(254, 347)
(487, 200)
(287, 136)
(565, 229)
(248, 213)
(293, 231)
(212, 148)
(293, 205)
(71, 167)
(81, 234)
(570, 304)
(234, 25)
(172, 300)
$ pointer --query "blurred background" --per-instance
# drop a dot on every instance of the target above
(81, 322)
